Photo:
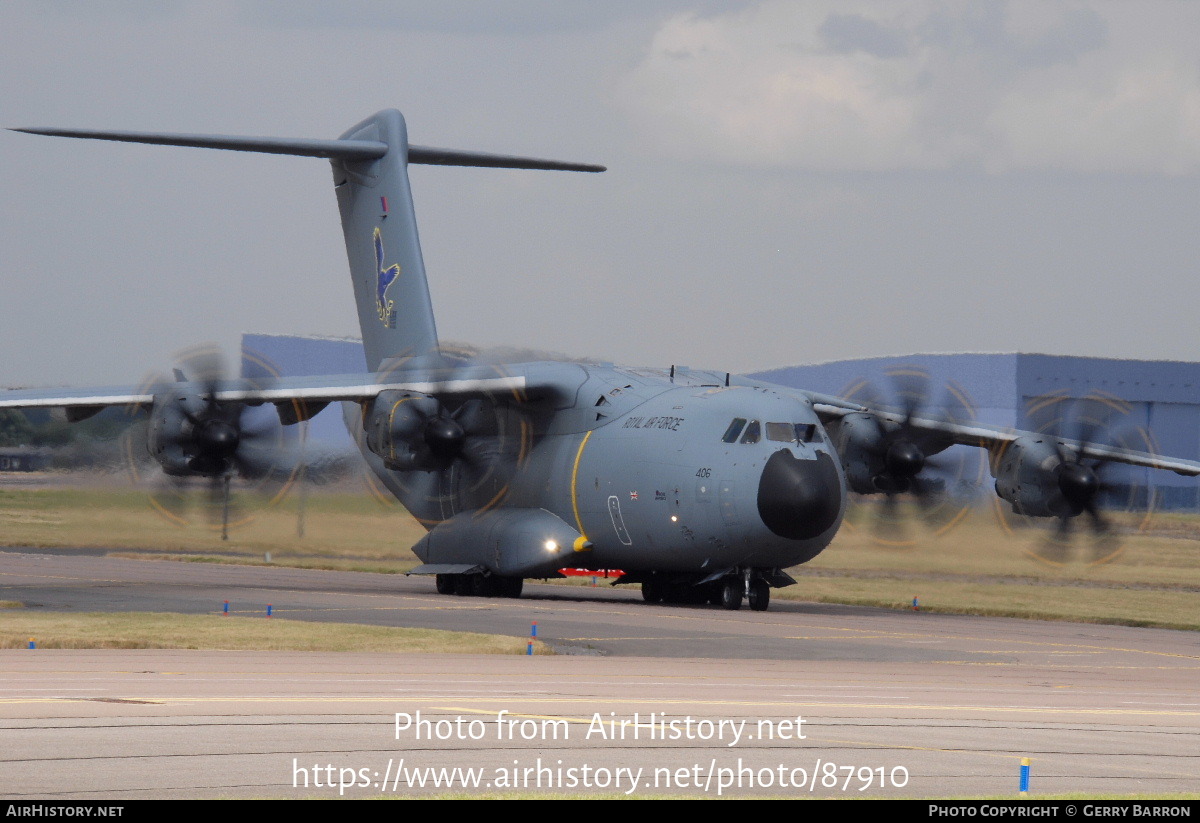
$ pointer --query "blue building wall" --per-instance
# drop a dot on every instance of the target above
(293, 356)
(1163, 397)
(987, 379)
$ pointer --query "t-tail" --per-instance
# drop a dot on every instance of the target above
(370, 176)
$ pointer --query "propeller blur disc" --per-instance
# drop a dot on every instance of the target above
(920, 478)
(228, 453)
(1104, 500)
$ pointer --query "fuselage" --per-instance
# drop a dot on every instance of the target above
(665, 470)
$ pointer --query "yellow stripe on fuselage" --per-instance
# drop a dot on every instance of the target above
(574, 485)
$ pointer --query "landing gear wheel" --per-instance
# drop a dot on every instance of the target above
(760, 595)
(672, 595)
(715, 593)
(510, 586)
(445, 583)
(731, 594)
(652, 591)
(462, 585)
(483, 585)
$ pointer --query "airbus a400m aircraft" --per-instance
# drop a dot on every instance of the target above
(698, 484)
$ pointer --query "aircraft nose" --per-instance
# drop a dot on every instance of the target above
(799, 499)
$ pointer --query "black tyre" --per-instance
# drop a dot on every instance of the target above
(483, 585)
(462, 585)
(652, 591)
(510, 586)
(445, 584)
(760, 595)
(731, 594)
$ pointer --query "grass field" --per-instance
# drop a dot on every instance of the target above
(1151, 578)
(976, 568)
(136, 630)
(337, 524)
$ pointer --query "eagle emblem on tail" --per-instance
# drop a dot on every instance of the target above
(384, 277)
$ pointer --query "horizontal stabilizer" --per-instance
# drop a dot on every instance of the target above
(331, 149)
(452, 157)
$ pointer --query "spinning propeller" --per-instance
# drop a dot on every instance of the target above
(1081, 485)
(456, 444)
(885, 451)
(194, 436)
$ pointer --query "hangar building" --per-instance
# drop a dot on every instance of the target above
(1163, 397)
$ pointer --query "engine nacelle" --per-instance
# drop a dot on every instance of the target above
(858, 440)
(168, 434)
(879, 456)
(190, 434)
(396, 424)
(1028, 476)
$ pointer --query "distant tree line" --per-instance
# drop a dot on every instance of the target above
(37, 427)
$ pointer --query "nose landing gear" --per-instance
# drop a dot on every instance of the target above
(728, 591)
(747, 585)
(732, 591)
(760, 595)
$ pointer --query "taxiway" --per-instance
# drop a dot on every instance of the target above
(892, 703)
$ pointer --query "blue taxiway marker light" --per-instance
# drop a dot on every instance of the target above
(1024, 775)
(32, 643)
(532, 637)
(225, 611)
(916, 605)
(269, 607)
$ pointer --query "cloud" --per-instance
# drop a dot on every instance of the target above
(848, 33)
(999, 86)
(494, 17)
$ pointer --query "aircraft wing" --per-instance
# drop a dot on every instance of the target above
(831, 409)
(474, 381)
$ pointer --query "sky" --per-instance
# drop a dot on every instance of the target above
(789, 182)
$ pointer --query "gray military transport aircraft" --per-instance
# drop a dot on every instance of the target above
(700, 485)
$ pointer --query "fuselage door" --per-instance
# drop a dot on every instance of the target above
(728, 497)
(614, 511)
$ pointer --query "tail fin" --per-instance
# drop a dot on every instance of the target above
(380, 226)
(370, 176)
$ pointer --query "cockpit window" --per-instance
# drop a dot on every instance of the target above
(735, 428)
(791, 432)
(781, 432)
(753, 432)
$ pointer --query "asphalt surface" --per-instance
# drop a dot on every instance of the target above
(887, 703)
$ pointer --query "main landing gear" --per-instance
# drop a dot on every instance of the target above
(479, 585)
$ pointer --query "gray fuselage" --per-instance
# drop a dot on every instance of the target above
(663, 470)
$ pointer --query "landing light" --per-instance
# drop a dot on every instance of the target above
(551, 546)
(674, 519)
